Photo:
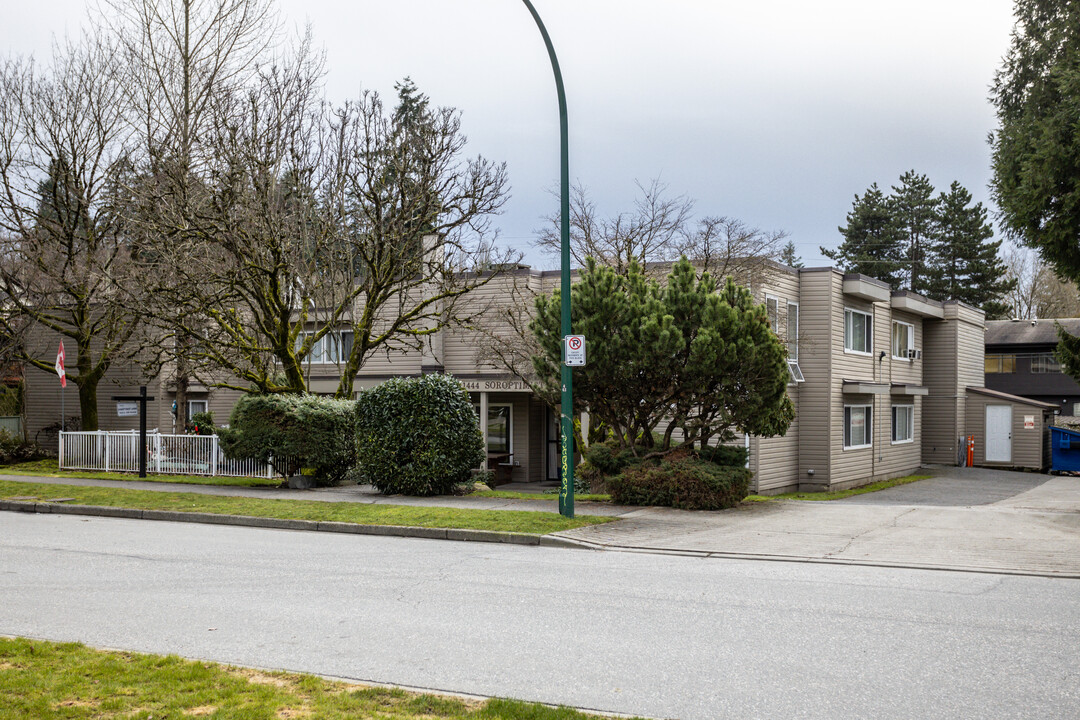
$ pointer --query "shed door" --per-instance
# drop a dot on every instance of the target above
(999, 433)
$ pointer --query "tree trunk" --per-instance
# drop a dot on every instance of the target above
(88, 408)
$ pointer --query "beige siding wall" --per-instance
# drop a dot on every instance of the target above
(815, 359)
(942, 409)
(849, 467)
(1027, 443)
(775, 461)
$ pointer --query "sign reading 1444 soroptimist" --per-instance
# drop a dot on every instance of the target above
(574, 350)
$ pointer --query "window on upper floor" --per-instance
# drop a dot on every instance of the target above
(772, 306)
(857, 426)
(858, 332)
(1045, 363)
(999, 364)
(903, 340)
(792, 339)
(333, 347)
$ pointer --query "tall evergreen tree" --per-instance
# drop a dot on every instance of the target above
(914, 209)
(789, 257)
(872, 239)
(963, 262)
(1036, 152)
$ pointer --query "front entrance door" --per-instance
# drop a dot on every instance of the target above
(999, 433)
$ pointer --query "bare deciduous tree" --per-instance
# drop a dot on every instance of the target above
(183, 56)
(1039, 292)
(63, 145)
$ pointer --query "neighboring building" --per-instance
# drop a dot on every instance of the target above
(880, 382)
(1020, 361)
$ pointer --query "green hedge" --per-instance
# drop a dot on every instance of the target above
(686, 482)
(295, 431)
(417, 436)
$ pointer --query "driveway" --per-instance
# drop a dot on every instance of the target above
(976, 520)
(955, 487)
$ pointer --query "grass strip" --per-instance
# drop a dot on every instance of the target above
(509, 495)
(840, 494)
(520, 521)
(42, 680)
(51, 468)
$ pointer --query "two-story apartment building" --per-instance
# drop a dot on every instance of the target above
(1020, 360)
(879, 380)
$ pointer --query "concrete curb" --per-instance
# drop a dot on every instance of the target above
(490, 536)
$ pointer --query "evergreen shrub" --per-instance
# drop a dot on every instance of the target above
(294, 432)
(417, 436)
(14, 449)
(728, 455)
(682, 480)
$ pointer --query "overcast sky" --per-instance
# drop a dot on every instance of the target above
(776, 112)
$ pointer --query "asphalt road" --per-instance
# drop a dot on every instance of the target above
(663, 636)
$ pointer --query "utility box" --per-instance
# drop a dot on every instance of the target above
(1064, 450)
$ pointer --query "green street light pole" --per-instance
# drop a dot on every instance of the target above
(566, 492)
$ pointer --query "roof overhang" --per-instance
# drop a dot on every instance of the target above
(867, 288)
(917, 305)
(865, 387)
(901, 389)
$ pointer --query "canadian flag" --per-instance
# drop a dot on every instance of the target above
(60, 365)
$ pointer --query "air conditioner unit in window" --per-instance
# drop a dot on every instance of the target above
(914, 354)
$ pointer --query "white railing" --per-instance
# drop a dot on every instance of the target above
(165, 455)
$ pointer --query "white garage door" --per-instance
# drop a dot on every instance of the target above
(999, 433)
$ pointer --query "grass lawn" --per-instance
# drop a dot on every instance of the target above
(508, 495)
(840, 494)
(535, 523)
(42, 680)
(50, 468)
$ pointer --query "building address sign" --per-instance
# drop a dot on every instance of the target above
(495, 385)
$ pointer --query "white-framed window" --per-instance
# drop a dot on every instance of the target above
(331, 348)
(195, 406)
(903, 423)
(903, 340)
(500, 435)
(1043, 363)
(772, 307)
(858, 332)
(858, 426)
(792, 338)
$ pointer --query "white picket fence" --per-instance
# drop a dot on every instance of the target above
(166, 454)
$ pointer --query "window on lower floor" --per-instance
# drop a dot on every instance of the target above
(499, 438)
(195, 406)
(903, 423)
(857, 430)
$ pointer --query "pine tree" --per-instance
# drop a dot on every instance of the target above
(914, 208)
(872, 239)
(788, 256)
(963, 263)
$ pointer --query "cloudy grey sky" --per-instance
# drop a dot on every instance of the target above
(774, 111)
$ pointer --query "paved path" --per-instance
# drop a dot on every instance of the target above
(975, 520)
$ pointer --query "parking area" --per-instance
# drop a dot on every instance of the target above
(955, 487)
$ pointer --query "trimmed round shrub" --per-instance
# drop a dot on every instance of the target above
(686, 482)
(417, 436)
(293, 432)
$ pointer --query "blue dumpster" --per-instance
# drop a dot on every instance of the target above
(1065, 450)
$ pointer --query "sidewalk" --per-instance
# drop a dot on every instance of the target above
(1033, 526)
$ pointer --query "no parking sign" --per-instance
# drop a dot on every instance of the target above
(574, 350)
